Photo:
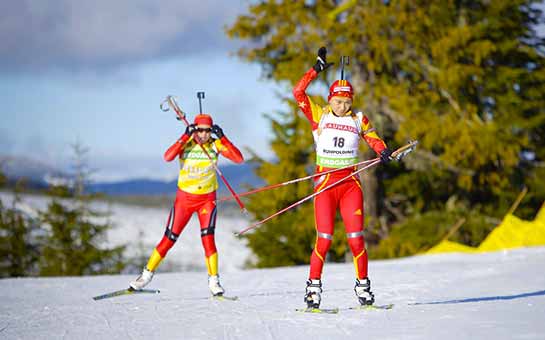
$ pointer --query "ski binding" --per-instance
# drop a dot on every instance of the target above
(373, 307)
(318, 310)
(224, 298)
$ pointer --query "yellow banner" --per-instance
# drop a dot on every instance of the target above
(512, 232)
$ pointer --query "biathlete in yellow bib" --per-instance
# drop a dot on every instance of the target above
(197, 185)
(337, 132)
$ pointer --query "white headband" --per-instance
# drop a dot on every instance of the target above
(341, 89)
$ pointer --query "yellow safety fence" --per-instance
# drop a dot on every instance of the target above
(512, 232)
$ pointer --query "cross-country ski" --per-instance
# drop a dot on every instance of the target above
(372, 307)
(128, 291)
(318, 310)
(224, 298)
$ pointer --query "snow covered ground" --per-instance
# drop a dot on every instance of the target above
(497, 295)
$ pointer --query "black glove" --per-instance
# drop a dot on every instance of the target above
(385, 155)
(217, 131)
(190, 129)
(321, 61)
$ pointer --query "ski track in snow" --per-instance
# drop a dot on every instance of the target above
(498, 295)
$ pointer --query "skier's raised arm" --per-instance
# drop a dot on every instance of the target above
(311, 110)
(225, 147)
(177, 148)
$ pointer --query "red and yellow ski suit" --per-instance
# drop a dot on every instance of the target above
(337, 141)
(197, 185)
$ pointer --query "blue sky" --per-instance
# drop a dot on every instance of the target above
(96, 72)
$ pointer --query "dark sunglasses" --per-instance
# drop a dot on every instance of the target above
(203, 129)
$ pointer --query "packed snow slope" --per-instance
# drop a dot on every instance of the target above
(499, 295)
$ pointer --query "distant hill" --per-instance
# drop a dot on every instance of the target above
(40, 175)
(237, 175)
(141, 186)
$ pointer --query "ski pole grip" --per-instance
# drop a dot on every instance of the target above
(404, 150)
(162, 106)
(171, 100)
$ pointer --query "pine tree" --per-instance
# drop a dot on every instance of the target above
(465, 78)
(75, 232)
(3, 179)
(19, 239)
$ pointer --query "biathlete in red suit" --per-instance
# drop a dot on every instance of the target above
(337, 132)
(197, 185)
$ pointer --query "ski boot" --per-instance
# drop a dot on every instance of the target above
(313, 291)
(214, 284)
(142, 280)
(363, 292)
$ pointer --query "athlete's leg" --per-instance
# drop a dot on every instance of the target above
(207, 219)
(325, 206)
(352, 213)
(177, 220)
(351, 207)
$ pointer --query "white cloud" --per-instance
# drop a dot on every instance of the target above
(102, 33)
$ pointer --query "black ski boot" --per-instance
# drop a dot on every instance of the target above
(363, 292)
(312, 294)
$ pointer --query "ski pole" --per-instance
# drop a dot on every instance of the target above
(398, 154)
(304, 199)
(181, 116)
(277, 185)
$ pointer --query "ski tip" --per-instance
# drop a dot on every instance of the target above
(152, 291)
(387, 306)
